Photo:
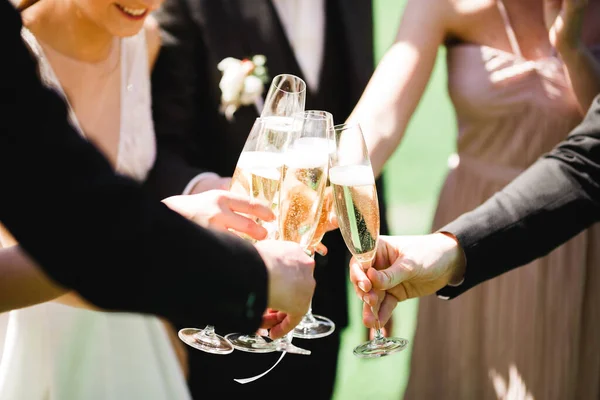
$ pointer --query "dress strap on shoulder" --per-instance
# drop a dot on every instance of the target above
(510, 32)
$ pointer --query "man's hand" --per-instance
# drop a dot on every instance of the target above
(291, 284)
(406, 267)
(220, 210)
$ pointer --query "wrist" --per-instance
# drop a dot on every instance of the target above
(457, 260)
(201, 183)
(570, 51)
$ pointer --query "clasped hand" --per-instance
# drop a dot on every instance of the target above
(405, 267)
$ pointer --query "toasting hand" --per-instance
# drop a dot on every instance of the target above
(291, 284)
(405, 267)
(220, 209)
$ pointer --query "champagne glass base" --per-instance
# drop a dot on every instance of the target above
(251, 343)
(314, 327)
(208, 342)
(288, 347)
(380, 347)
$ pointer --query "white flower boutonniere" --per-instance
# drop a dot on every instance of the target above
(242, 83)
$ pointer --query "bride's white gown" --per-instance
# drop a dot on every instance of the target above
(57, 352)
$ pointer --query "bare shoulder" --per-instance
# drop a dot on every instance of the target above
(153, 41)
(428, 18)
(473, 18)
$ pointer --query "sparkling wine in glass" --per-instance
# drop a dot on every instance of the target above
(259, 171)
(303, 184)
(357, 210)
(304, 212)
(257, 176)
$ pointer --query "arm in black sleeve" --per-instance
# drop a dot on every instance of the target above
(552, 201)
(100, 234)
(175, 79)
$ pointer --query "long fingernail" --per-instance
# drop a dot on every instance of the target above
(321, 252)
(366, 299)
(361, 285)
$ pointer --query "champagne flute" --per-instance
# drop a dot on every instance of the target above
(312, 147)
(303, 184)
(286, 96)
(258, 176)
(357, 209)
(259, 169)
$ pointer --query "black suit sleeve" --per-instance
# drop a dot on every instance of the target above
(100, 234)
(555, 199)
(174, 88)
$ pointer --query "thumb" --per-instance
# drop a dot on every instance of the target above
(552, 9)
(390, 277)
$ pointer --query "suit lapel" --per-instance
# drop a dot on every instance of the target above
(261, 32)
(256, 29)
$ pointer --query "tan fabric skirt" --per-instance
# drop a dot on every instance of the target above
(532, 333)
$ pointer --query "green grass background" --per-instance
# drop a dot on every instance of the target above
(413, 177)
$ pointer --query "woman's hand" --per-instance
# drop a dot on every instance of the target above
(220, 209)
(564, 20)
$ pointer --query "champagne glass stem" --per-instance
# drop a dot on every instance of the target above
(309, 312)
(209, 330)
(308, 317)
(378, 334)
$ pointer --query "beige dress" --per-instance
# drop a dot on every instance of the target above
(533, 333)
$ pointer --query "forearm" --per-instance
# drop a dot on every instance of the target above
(548, 204)
(22, 282)
(517, 225)
(380, 111)
(139, 255)
(396, 87)
(583, 71)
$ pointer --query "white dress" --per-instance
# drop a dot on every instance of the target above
(57, 352)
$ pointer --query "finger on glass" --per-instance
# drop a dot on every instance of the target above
(360, 281)
(241, 224)
(256, 209)
(321, 249)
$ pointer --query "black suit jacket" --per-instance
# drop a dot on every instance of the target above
(99, 233)
(552, 201)
(192, 134)
(197, 35)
